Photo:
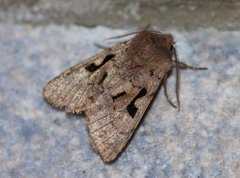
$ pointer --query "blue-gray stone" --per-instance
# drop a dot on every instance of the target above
(36, 140)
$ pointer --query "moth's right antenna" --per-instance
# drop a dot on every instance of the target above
(121, 36)
(147, 27)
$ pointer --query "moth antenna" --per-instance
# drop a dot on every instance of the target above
(148, 28)
(165, 91)
(177, 76)
(121, 36)
(132, 33)
(101, 46)
(158, 32)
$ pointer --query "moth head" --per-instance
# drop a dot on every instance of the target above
(151, 48)
(164, 46)
(162, 50)
(166, 41)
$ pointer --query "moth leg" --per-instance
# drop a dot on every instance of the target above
(183, 65)
(166, 93)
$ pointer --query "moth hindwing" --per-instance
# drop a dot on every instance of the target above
(114, 88)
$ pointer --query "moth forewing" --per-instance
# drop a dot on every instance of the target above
(66, 91)
(114, 88)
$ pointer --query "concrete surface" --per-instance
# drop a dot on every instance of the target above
(164, 14)
(36, 140)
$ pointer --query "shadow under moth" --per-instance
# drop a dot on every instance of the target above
(115, 87)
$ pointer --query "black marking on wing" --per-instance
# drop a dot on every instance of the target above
(151, 72)
(131, 108)
(103, 78)
(118, 95)
(93, 67)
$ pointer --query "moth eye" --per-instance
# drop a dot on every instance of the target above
(119, 95)
(93, 67)
(131, 108)
(103, 78)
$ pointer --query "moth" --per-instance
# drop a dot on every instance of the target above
(115, 87)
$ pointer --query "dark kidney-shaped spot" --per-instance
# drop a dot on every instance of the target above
(131, 108)
(93, 67)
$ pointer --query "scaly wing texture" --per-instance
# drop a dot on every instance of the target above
(114, 115)
(70, 89)
(113, 94)
(116, 105)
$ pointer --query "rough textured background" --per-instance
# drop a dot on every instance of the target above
(180, 14)
(202, 140)
(41, 38)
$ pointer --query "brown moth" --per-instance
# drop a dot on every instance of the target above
(115, 87)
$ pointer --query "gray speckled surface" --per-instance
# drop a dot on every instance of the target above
(36, 140)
